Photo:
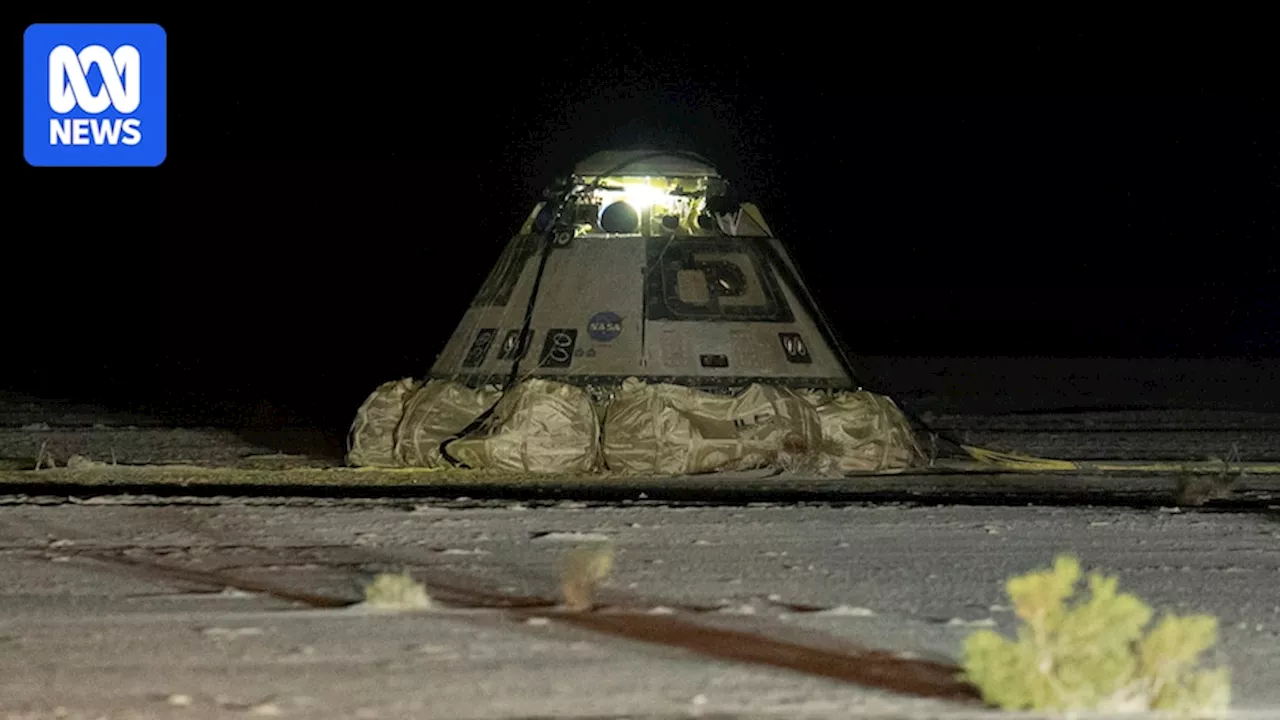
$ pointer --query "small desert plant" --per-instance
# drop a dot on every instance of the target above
(43, 457)
(390, 591)
(583, 568)
(1197, 489)
(1092, 655)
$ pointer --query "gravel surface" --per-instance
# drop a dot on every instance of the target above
(86, 635)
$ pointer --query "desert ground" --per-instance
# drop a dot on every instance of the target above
(208, 591)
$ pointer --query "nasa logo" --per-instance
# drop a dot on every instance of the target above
(94, 95)
(604, 326)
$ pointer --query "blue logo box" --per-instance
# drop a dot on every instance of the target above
(94, 95)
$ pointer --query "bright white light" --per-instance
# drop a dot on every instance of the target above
(641, 197)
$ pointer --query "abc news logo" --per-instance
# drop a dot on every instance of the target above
(69, 88)
(95, 94)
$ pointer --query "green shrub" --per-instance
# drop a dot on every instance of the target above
(390, 591)
(1092, 655)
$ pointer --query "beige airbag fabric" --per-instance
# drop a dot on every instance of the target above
(433, 414)
(540, 426)
(543, 426)
(671, 429)
(371, 439)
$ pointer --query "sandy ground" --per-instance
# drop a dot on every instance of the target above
(100, 640)
(94, 627)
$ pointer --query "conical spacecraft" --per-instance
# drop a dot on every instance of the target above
(644, 320)
(643, 264)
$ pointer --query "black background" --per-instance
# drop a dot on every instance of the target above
(337, 187)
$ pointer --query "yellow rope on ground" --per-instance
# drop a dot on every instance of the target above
(1013, 461)
(1176, 466)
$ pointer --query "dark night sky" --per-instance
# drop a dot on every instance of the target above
(322, 221)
